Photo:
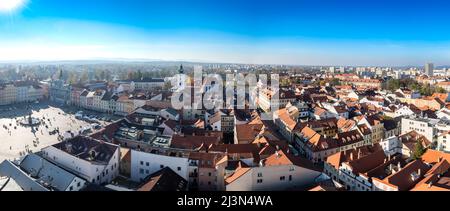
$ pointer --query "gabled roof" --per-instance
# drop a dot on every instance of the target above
(282, 158)
(368, 162)
(317, 142)
(47, 173)
(365, 130)
(411, 138)
(374, 120)
(352, 154)
(349, 137)
(248, 132)
(436, 179)
(89, 149)
(8, 169)
(241, 149)
(286, 119)
(433, 156)
(345, 124)
(164, 180)
(404, 178)
(442, 96)
(241, 170)
(193, 142)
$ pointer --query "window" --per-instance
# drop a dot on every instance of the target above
(179, 168)
(260, 175)
(141, 171)
(71, 188)
(147, 164)
(78, 184)
(291, 168)
(290, 177)
(209, 174)
(142, 163)
(147, 171)
(259, 181)
(282, 178)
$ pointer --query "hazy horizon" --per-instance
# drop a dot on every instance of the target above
(286, 32)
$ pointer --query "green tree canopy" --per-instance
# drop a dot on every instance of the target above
(419, 150)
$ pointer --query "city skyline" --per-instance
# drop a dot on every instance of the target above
(341, 33)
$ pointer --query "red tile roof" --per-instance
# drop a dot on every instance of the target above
(193, 142)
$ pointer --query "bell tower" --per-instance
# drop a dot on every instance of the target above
(181, 79)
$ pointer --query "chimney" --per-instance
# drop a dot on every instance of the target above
(277, 154)
(69, 148)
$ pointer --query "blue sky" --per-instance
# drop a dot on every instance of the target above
(310, 32)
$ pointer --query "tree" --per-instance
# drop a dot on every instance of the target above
(130, 75)
(425, 90)
(139, 75)
(72, 78)
(441, 90)
(108, 75)
(419, 150)
(335, 82)
(393, 85)
(123, 75)
(84, 77)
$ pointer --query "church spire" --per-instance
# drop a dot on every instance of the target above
(181, 71)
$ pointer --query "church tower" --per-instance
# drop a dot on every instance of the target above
(181, 79)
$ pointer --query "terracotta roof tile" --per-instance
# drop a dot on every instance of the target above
(404, 178)
(240, 171)
(433, 156)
